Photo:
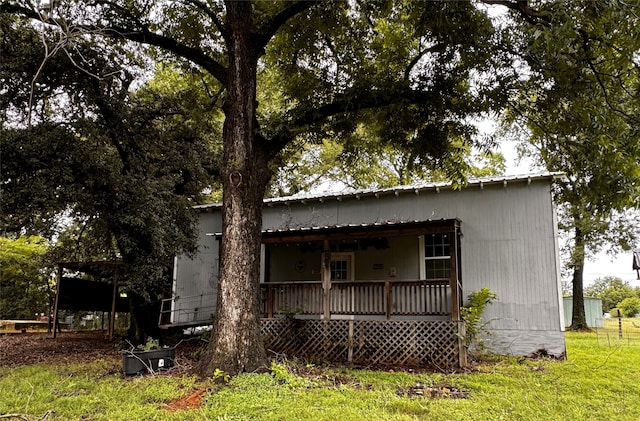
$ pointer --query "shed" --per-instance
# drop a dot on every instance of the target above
(378, 276)
(592, 309)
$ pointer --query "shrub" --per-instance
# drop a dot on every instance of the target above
(614, 312)
(629, 307)
(472, 312)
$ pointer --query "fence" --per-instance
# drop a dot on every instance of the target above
(618, 332)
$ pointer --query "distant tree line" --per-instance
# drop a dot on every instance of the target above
(616, 294)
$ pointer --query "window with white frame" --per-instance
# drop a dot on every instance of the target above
(437, 256)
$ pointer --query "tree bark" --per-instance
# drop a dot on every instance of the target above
(578, 319)
(236, 345)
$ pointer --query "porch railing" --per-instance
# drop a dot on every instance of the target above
(377, 297)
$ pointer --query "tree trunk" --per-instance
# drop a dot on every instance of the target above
(236, 345)
(144, 319)
(579, 319)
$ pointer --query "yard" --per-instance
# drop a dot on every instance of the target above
(79, 377)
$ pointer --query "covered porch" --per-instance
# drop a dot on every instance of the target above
(384, 271)
(384, 293)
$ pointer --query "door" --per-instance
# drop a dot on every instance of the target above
(342, 294)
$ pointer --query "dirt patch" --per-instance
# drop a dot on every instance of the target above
(40, 348)
(75, 347)
(190, 401)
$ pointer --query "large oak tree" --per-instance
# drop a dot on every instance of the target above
(298, 69)
(116, 170)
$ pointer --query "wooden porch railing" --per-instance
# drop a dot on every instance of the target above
(381, 298)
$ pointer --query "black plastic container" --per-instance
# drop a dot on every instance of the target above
(142, 362)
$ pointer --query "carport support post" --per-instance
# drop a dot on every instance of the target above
(112, 315)
(55, 307)
(326, 280)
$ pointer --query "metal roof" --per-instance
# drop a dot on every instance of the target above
(414, 188)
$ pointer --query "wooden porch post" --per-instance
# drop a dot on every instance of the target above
(387, 296)
(55, 307)
(453, 279)
(326, 280)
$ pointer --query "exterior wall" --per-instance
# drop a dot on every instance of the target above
(287, 262)
(195, 277)
(509, 245)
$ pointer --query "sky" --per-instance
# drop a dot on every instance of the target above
(619, 265)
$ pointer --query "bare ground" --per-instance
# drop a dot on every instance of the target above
(20, 349)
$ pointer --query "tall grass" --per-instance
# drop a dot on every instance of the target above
(597, 381)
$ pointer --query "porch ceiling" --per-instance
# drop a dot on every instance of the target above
(360, 231)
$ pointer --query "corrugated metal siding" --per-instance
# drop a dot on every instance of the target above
(508, 242)
(195, 283)
(508, 245)
(592, 309)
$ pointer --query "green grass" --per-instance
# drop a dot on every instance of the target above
(598, 381)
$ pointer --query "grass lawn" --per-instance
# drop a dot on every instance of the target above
(598, 381)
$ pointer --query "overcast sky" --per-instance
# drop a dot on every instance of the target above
(601, 265)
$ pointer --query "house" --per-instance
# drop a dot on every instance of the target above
(378, 276)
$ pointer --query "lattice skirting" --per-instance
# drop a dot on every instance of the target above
(403, 342)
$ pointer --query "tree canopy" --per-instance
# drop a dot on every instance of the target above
(611, 291)
(25, 288)
(124, 166)
(578, 111)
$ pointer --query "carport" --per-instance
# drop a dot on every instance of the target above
(90, 286)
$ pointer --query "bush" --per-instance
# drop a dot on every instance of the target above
(614, 312)
(472, 313)
(629, 307)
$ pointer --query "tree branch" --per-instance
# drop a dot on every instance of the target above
(589, 60)
(532, 16)
(417, 58)
(143, 36)
(211, 14)
(195, 55)
(345, 104)
(269, 29)
(363, 100)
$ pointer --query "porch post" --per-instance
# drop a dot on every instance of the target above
(453, 279)
(112, 315)
(326, 280)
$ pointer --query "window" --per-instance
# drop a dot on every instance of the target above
(437, 256)
(342, 267)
